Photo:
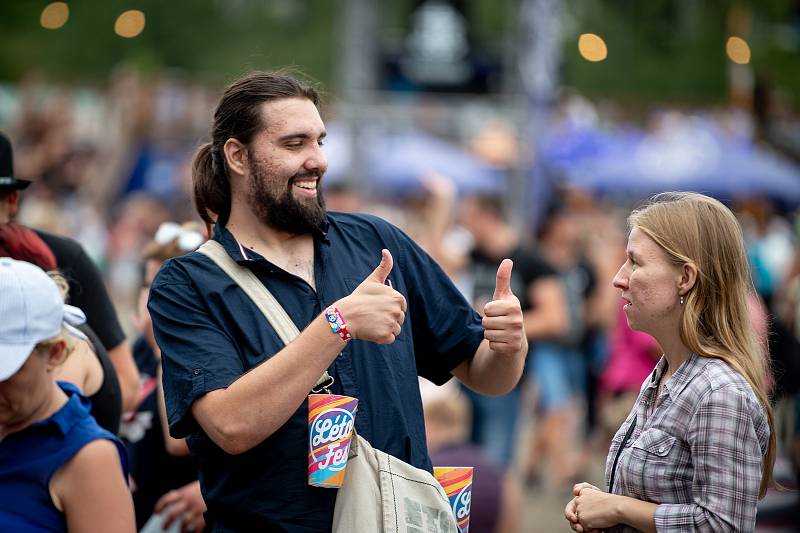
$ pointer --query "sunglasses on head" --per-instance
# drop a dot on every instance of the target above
(187, 240)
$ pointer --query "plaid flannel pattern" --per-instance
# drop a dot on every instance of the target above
(698, 454)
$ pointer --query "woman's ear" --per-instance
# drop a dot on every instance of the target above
(688, 278)
(56, 354)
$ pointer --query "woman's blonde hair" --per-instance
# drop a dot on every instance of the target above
(698, 230)
(63, 335)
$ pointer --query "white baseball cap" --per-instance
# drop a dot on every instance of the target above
(31, 311)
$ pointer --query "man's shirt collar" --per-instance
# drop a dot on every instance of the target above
(242, 254)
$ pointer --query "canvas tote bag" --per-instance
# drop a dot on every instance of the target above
(380, 493)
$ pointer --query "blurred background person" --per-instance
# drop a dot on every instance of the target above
(86, 288)
(545, 315)
(59, 471)
(557, 366)
(163, 476)
(496, 504)
(340, 196)
(88, 366)
(429, 221)
(632, 357)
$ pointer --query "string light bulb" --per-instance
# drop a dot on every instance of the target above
(129, 24)
(592, 47)
(54, 15)
(738, 50)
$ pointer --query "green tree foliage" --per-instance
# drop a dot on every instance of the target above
(215, 39)
(658, 49)
(675, 49)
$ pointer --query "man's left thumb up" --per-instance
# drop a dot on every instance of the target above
(502, 288)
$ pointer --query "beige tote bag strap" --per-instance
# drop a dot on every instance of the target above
(273, 311)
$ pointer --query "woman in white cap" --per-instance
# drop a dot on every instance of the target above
(59, 471)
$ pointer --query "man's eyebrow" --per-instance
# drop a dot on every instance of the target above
(301, 135)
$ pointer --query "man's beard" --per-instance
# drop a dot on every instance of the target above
(282, 211)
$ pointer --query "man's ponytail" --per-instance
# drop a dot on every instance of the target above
(212, 190)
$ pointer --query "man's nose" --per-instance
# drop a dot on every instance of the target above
(317, 161)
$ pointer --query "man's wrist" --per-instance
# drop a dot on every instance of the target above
(337, 323)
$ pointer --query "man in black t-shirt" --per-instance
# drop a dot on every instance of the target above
(541, 296)
(86, 288)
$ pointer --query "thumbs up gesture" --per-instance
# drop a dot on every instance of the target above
(502, 317)
(374, 311)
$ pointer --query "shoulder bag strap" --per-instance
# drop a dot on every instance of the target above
(273, 311)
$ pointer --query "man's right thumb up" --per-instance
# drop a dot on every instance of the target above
(380, 274)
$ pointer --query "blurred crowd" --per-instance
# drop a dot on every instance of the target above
(110, 168)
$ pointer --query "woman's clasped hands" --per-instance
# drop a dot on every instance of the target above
(591, 510)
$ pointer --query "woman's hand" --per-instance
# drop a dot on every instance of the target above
(594, 509)
(571, 510)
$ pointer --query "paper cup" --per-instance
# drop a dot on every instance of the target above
(330, 428)
(457, 484)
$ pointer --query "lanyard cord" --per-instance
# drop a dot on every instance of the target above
(619, 452)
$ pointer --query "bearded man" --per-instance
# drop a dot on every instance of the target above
(233, 389)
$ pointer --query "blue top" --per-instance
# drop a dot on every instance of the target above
(29, 459)
(211, 333)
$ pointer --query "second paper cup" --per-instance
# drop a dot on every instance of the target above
(457, 484)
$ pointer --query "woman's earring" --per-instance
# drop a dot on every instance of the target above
(681, 300)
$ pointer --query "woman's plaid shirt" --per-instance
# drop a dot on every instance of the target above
(698, 454)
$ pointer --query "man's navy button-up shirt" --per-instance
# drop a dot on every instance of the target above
(211, 333)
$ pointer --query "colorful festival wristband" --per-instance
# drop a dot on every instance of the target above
(337, 323)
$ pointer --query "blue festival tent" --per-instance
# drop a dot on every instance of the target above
(395, 162)
(630, 164)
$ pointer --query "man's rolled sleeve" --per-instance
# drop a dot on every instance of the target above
(197, 355)
(727, 458)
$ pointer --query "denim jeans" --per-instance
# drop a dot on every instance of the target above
(495, 420)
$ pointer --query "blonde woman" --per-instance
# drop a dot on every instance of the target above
(59, 470)
(697, 450)
(88, 366)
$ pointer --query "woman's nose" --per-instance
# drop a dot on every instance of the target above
(621, 279)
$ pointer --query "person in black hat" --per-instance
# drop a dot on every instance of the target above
(7, 179)
(86, 288)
